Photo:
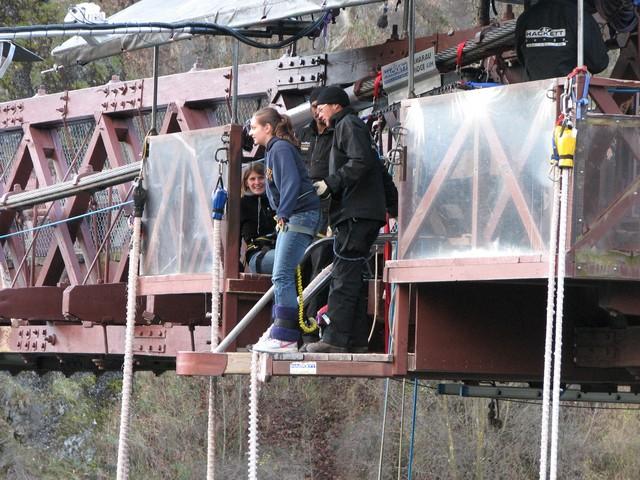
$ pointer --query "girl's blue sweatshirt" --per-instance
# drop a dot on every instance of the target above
(289, 188)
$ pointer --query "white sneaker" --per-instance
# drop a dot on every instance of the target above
(272, 345)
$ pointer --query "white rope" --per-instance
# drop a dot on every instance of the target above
(215, 310)
(253, 418)
(375, 295)
(127, 371)
(551, 284)
(253, 409)
(557, 355)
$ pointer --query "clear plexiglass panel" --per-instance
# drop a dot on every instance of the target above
(180, 176)
(607, 197)
(477, 181)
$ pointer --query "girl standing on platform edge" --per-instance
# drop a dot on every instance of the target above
(293, 197)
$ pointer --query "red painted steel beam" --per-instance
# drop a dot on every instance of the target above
(19, 175)
(32, 303)
(608, 347)
(620, 297)
(180, 309)
(101, 303)
(495, 331)
(91, 339)
(39, 141)
(128, 97)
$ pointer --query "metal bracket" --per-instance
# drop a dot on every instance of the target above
(122, 96)
(33, 339)
(11, 114)
(301, 72)
(150, 339)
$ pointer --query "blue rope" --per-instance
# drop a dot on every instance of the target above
(413, 427)
(384, 425)
(70, 219)
(392, 303)
(584, 101)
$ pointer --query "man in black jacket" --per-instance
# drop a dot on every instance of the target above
(358, 210)
(315, 141)
(547, 40)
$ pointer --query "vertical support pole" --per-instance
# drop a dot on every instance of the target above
(412, 48)
(154, 105)
(401, 328)
(580, 33)
(231, 239)
(107, 239)
(483, 13)
(32, 275)
(405, 18)
(234, 81)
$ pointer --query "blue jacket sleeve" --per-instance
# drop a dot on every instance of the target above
(286, 178)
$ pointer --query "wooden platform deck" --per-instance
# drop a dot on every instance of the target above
(283, 364)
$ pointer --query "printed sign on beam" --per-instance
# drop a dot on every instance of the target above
(426, 76)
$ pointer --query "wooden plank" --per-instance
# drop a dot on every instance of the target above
(372, 357)
(239, 363)
(174, 284)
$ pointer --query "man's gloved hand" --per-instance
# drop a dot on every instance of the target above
(322, 189)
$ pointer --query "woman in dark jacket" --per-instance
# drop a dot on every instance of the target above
(257, 222)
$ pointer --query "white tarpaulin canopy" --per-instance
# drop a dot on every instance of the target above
(247, 13)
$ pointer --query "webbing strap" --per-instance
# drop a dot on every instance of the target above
(292, 227)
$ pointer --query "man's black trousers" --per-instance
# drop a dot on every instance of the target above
(347, 308)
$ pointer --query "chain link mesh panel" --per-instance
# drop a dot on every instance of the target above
(246, 108)
(142, 123)
(74, 139)
(42, 237)
(127, 153)
(101, 222)
(9, 142)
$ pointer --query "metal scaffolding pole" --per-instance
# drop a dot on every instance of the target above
(234, 82)
(154, 105)
(412, 48)
(580, 33)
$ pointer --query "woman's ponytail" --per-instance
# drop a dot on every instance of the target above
(281, 124)
(284, 130)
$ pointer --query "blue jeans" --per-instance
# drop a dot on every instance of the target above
(290, 247)
(266, 265)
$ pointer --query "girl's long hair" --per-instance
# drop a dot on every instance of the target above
(257, 167)
(281, 124)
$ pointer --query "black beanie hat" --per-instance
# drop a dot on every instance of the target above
(313, 96)
(333, 94)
